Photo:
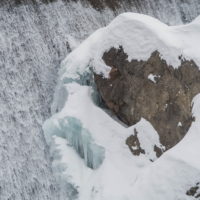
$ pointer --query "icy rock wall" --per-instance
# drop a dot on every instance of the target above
(34, 37)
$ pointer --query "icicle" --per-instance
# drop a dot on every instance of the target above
(79, 138)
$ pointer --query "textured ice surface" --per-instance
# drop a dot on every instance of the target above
(33, 40)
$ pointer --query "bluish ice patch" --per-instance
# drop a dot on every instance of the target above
(79, 138)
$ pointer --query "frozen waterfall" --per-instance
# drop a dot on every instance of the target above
(79, 138)
(34, 37)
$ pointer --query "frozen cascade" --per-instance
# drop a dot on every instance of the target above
(71, 128)
(79, 138)
(73, 133)
(34, 38)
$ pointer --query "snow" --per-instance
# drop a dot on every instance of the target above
(89, 146)
(153, 77)
(179, 124)
(148, 138)
(108, 134)
(140, 36)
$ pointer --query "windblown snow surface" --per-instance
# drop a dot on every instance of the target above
(88, 145)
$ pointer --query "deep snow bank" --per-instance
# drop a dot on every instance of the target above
(139, 35)
(117, 173)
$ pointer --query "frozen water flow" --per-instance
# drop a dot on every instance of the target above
(79, 138)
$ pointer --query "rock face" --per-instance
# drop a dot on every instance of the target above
(153, 90)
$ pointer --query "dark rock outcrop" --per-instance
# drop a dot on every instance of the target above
(153, 90)
(134, 144)
(194, 191)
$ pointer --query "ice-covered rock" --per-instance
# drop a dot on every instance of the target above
(79, 127)
(123, 54)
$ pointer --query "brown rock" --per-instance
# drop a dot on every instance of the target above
(165, 101)
(134, 144)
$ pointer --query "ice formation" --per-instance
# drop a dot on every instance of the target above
(90, 144)
(80, 139)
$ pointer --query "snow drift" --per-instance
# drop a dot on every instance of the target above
(88, 145)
